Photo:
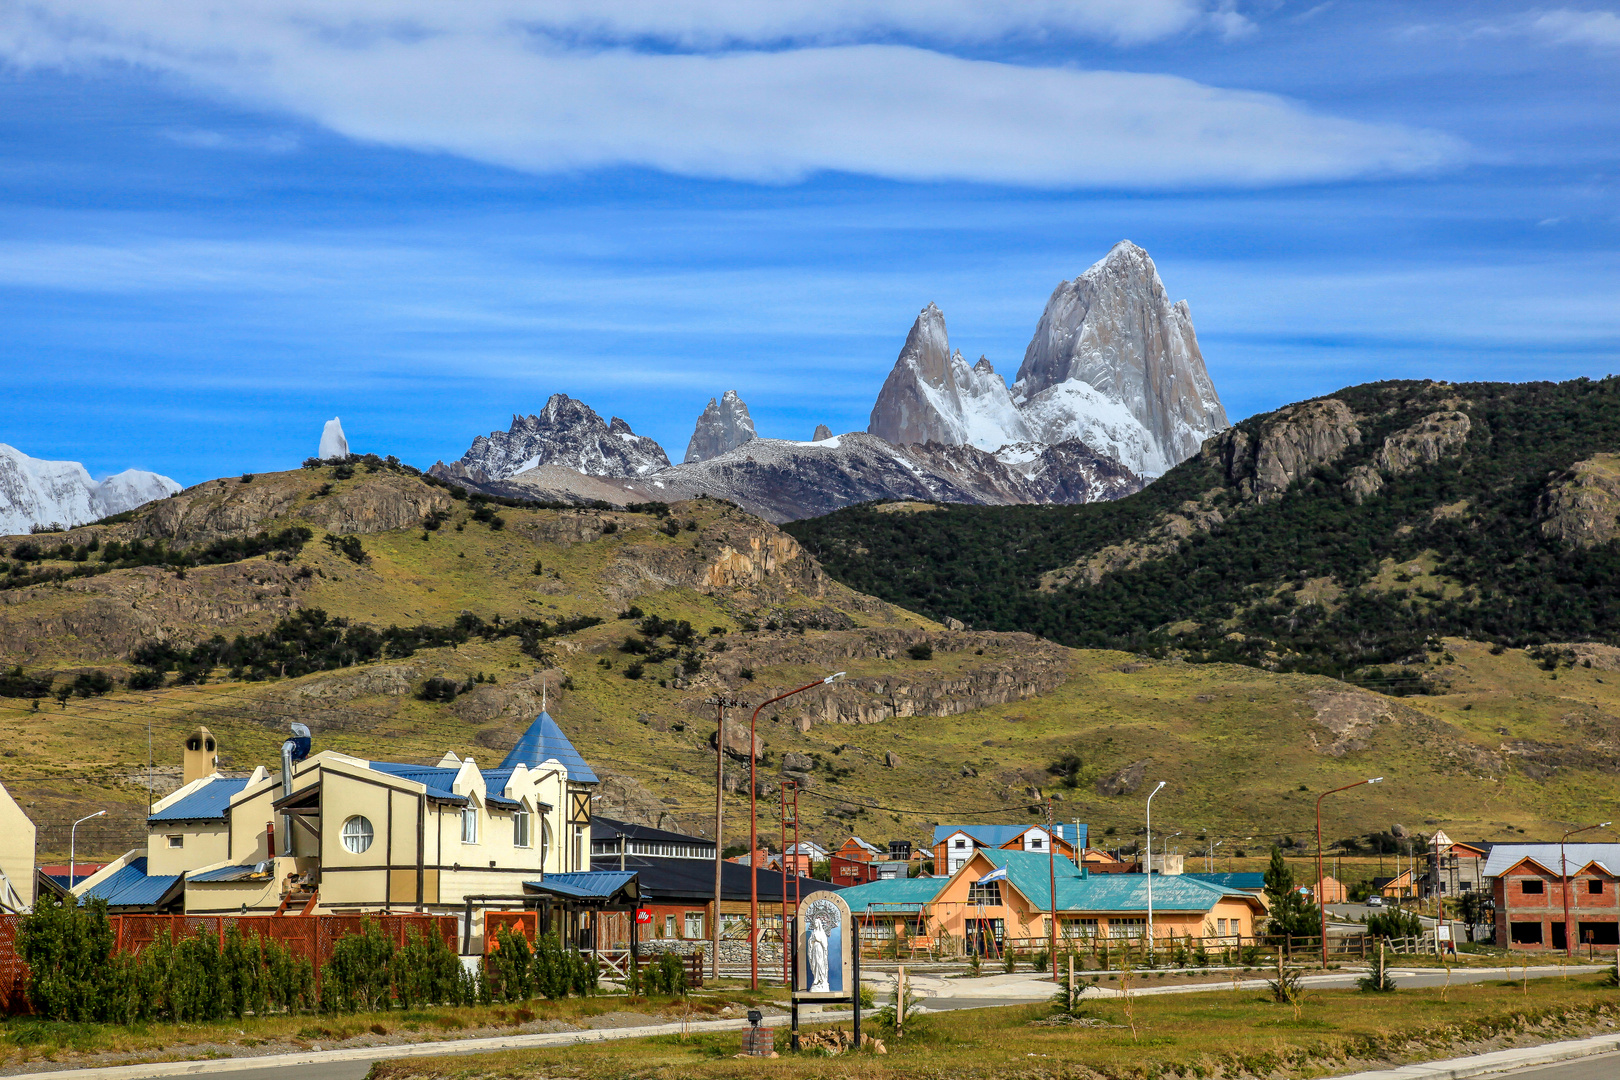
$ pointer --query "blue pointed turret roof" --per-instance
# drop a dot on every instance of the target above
(544, 740)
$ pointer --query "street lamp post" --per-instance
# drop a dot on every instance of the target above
(721, 703)
(1321, 906)
(73, 846)
(753, 834)
(1563, 873)
(1149, 867)
(1209, 856)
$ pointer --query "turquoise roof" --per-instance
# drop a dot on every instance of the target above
(883, 895)
(544, 740)
(1030, 872)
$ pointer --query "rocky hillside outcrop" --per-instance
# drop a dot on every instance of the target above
(967, 671)
(1582, 505)
(1283, 447)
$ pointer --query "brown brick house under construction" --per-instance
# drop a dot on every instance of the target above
(1528, 890)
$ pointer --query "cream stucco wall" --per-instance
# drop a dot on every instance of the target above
(16, 853)
(202, 843)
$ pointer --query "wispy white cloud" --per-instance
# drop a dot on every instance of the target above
(1566, 27)
(565, 85)
(205, 139)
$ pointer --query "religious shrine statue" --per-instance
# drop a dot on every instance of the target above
(817, 956)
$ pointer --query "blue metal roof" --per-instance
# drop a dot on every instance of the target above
(130, 886)
(207, 803)
(439, 782)
(544, 740)
(584, 884)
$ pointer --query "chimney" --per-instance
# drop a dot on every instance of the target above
(294, 750)
(201, 757)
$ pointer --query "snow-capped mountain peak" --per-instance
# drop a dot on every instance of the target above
(37, 492)
(566, 433)
(932, 395)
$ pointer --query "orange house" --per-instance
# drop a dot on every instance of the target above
(984, 916)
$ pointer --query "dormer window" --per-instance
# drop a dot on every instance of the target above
(960, 842)
(469, 825)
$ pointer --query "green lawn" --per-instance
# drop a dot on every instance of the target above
(1203, 1035)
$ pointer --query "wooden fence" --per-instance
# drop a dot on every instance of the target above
(308, 936)
(616, 961)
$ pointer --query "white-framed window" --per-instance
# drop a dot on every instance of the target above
(1079, 928)
(1220, 927)
(545, 839)
(984, 892)
(469, 825)
(694, 925)
(520, 827)
(1127, 928)
(669, 926)
(357, 835)
(579, 846)
(176, 841)
(960, 842)
(1035, 843)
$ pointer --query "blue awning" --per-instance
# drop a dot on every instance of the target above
(600, 885)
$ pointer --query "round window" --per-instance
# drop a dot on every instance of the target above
(356, 834)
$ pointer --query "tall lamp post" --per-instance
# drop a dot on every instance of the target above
(1149, 867)
(1320, 905)
(721, 703)
(1563, 873)
(1209, 856)
(73, 849)
(753, 834)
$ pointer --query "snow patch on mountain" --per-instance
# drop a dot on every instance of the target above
(37, 492)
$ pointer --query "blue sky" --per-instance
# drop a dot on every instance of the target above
(223, 223)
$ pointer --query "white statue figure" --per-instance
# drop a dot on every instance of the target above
(818, 960)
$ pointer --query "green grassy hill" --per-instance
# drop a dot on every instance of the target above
(401, 582)
(1343, 536)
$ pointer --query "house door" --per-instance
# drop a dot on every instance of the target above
(984, 936)
(1558, 939)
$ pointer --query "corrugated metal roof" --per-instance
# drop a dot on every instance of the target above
(1504, 856)
(1248, 882)
(130, 886)
(223, 873)
(608, 829)
(913, 892)
(664, 878)
(544, 740)
(584, 884)
(207, 803)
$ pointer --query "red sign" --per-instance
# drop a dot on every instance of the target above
(643, 916)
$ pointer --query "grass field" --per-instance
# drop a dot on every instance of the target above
(1215, 1034)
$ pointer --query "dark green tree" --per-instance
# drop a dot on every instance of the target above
(1292, 913)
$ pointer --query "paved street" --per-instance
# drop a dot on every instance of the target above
(1601, 1067)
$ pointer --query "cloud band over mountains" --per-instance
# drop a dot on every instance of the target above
(765, 93)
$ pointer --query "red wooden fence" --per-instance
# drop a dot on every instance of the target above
(310, 936)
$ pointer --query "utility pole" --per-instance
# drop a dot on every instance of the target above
(721, 703)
